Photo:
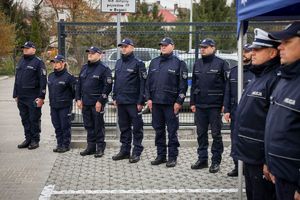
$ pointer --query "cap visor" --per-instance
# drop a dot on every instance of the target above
(163, 43)
(254, 46)
(121, 44)
(282, 35)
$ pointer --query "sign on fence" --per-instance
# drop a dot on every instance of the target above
(118, 6)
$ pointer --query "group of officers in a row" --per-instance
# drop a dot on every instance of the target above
(265, 125)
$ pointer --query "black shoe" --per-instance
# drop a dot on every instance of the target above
(63, 150)
(57, 149)
(134, 159)
(171, 163)
(33, 145)
(99, 153)
(87, 151)
(214, 168)
(24, 144)
(200, 164)
(121, 156)
(159, 160)
(233, 173)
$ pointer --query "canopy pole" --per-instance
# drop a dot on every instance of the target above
(240, 90)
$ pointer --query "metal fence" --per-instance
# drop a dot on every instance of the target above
(75, 37)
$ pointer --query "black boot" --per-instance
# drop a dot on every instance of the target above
(233, 173)
(99, 153)
(24, 144)
(159, 160)
(33, 145)
(121, 155)
(134, 158)
(200, 164)
(88, 151)
(171, 162)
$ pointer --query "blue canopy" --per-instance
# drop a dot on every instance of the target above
(266, 10)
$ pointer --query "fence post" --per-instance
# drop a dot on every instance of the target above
(61, 37)
(197, 33)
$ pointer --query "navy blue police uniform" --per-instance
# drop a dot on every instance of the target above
(250, 127)
(207, 92)
(250, 123)
(30, 83)
(282, 132)
(166, 85)
(128, 92)
(282, 138)
(231, 99)
(94, 84)
(61, 85)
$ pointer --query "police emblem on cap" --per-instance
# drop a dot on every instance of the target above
(123, 40)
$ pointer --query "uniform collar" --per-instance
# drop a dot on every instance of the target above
(90, 64)
(28, 57)
(247, 67)
(266, 67)
(126, 58)
(209, 58)
(290, 71)
(164, 57)
(59, 73)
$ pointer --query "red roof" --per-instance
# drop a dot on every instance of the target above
(167, 15)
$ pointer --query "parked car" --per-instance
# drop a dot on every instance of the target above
(144, 54)
(189, 59)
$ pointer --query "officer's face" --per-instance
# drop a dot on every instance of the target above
(126, 49)
(166, 48)
(262, 55)
(29, 51)
(289, 50)
(94, 56)
(207, 50)
(247, 55)
(58, 65)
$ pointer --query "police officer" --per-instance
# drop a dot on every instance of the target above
(282, 143)
(251, 114)
(231, 98)
(61, 86)
(93, 87)
(129, 97)
(29, 93)
(207, 91)
(166, 87)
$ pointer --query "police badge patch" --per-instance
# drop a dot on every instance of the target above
(184, 75)
(181, 96)
(109, 80)
(144, 75)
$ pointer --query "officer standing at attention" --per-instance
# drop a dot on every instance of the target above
(93, 87)
(207, 92)
(282, 140)
(166, 87)
(129, 97)
(231, 98)
(29, 93)
(61, 86)
(249, 130)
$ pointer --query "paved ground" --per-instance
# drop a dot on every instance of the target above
(42, 174)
